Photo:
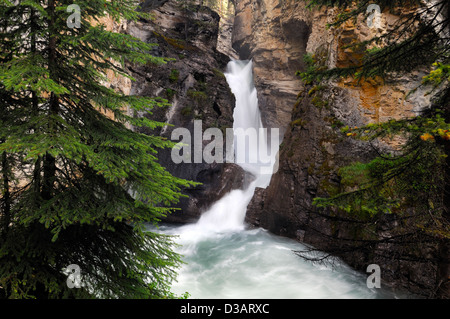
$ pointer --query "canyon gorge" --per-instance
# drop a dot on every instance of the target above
(201, 38)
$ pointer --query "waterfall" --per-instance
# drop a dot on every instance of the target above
(228, 214)
(258, 156)
(225, 260)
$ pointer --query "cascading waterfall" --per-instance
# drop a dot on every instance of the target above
(229, 212)
(225, 260)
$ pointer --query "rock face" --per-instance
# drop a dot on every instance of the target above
(266, 32)
(195, 85)
(276, 34)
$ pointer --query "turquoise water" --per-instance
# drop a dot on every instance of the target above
(254, 264)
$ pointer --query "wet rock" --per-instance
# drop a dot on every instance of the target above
(193, 82)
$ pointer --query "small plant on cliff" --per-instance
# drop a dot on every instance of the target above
(76, 185)
(174, 75)
(315, 65)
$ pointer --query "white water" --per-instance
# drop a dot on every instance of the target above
(228, 214)
(225, 260)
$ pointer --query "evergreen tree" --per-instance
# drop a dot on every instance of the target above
(77, 186)
(411, 185)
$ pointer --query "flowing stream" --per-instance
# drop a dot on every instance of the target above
(223, 259)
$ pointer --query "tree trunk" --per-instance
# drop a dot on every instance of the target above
(49, 162)
(5, 213)
(35, 108)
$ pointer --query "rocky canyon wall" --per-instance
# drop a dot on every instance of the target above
(276, 34)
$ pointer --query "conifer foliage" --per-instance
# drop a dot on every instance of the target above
(77, 186)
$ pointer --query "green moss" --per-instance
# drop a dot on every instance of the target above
(198, 116)
(355, 174)
(311, 169)
(319, 102)
(170, 93)
(300, 94)
(218, 73)
(330, 188)
(317, 93)
(325, 170)
(174, 75)
(205, 25)
(315, 89)
(179, 44)
(297, 104)
(176, 43)
(335, 123)
(198, 96)
(201, 86)
(290, 153)
(314, 64)
(298, 123)
(186, 111)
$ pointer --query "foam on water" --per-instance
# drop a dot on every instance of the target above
(226, 260)
(253, 264)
